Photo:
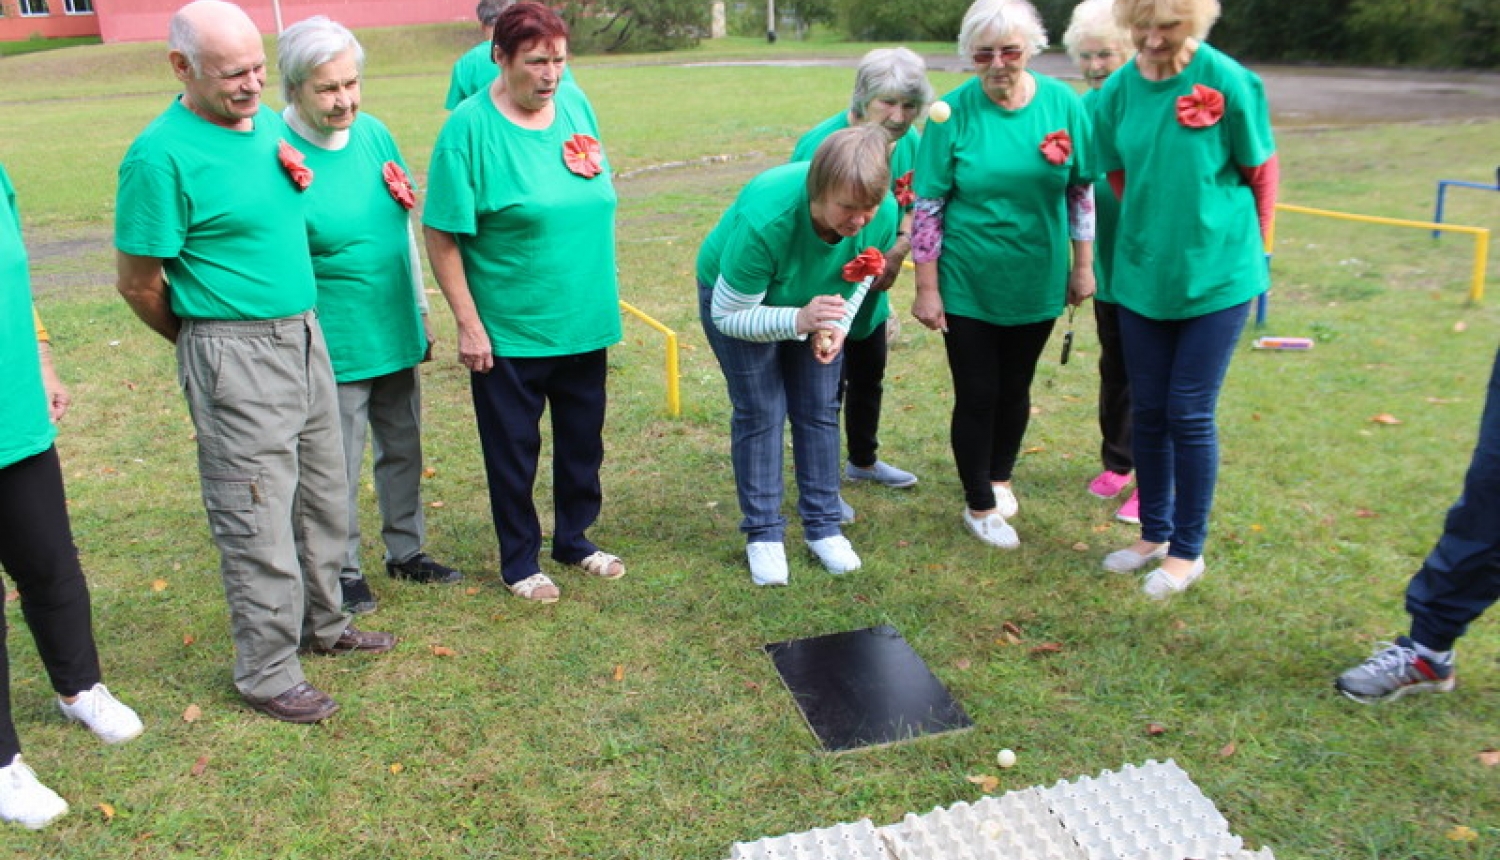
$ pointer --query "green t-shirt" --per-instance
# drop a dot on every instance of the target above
(221, 212)
(1006, 251)
(1189, 241)
(471, 73)
(361, 255)
(25, 427)
(1106, 221)
(475, 70)
(903, 160)
(537, 240)
(766, 242)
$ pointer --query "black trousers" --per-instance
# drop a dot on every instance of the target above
(862, 392)
(508, 406)
(1114, 391)
(992, 369)
(36, 549)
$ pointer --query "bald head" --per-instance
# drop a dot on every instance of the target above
(202, 23)
(217, 53)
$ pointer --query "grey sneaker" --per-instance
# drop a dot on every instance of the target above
(881, 473)
(846, 512)
(1394, 670)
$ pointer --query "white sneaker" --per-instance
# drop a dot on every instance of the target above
(767, 562)
(1160, 585)
(24, 800)
(106, 716)
(1005, 501)
(1129, 561)
(836, 554)
(993, 530)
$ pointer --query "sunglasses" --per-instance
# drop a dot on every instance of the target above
(1009, 54)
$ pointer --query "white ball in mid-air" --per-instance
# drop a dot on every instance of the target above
(939, 112)
(1006, 758)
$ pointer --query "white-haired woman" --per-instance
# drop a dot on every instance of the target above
(891, 91)
(370, 298)
(1098, 46)
(1002, 238)
(774, 271)
(1185, 138)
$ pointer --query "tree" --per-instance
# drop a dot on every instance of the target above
(636, 25)
(899, 20)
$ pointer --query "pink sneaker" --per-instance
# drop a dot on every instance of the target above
(1130, 512)
(1109, 484)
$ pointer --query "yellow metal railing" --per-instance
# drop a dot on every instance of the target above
(1481, 237)
(674, 389)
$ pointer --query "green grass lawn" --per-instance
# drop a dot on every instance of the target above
(639, 718)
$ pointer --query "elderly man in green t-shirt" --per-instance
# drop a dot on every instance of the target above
(213, 256)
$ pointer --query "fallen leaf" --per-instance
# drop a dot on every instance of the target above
(1257, 527)
(1007, 639)
(864, 598)
(199, 766)
(442, 651)
(1047, 648)
(1385, 418)
(1459, 833)
(1012, 628)
(429, 472)
(471, 590)
(1154, 729)
(1035, 449)
(1365, 514)
(1103, 527)
(397, 767)
(437, 504)
(188, 639)
(903, 543)
(1489, 757)
(158, 585)
(191, 714)
(962, 664)
(1460, 326)
(109, 811)
(1080, 547)
(752, 686)
(986, 782)
(619, 672)
(1227, 750)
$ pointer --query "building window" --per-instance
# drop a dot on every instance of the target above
(78, 7)
(33, 8)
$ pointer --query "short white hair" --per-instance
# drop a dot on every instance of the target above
(1095, 19)
(890, 71)
(305, 45)
(1003, 17)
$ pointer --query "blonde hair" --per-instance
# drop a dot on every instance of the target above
(1199, 15)
(856, 158)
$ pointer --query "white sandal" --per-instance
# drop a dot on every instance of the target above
(602, 565)
(538, 588)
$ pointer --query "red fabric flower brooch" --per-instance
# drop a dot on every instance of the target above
(399, 184)
(869, 264)
(1057, 146)
(1201, 108)
(904, 195)
(583, 156)
(294, 164)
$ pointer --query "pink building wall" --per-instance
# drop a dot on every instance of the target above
(146, 20)
(56, 25)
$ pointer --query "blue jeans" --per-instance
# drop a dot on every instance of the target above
(768, 384)
(1461, 577)
(1176, 370)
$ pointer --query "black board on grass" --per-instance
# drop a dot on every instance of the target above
(865, 688)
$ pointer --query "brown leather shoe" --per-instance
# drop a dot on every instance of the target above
(352, 640)
(303, 703)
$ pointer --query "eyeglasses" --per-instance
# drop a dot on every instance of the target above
(1089, 56)
(1009, 54)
